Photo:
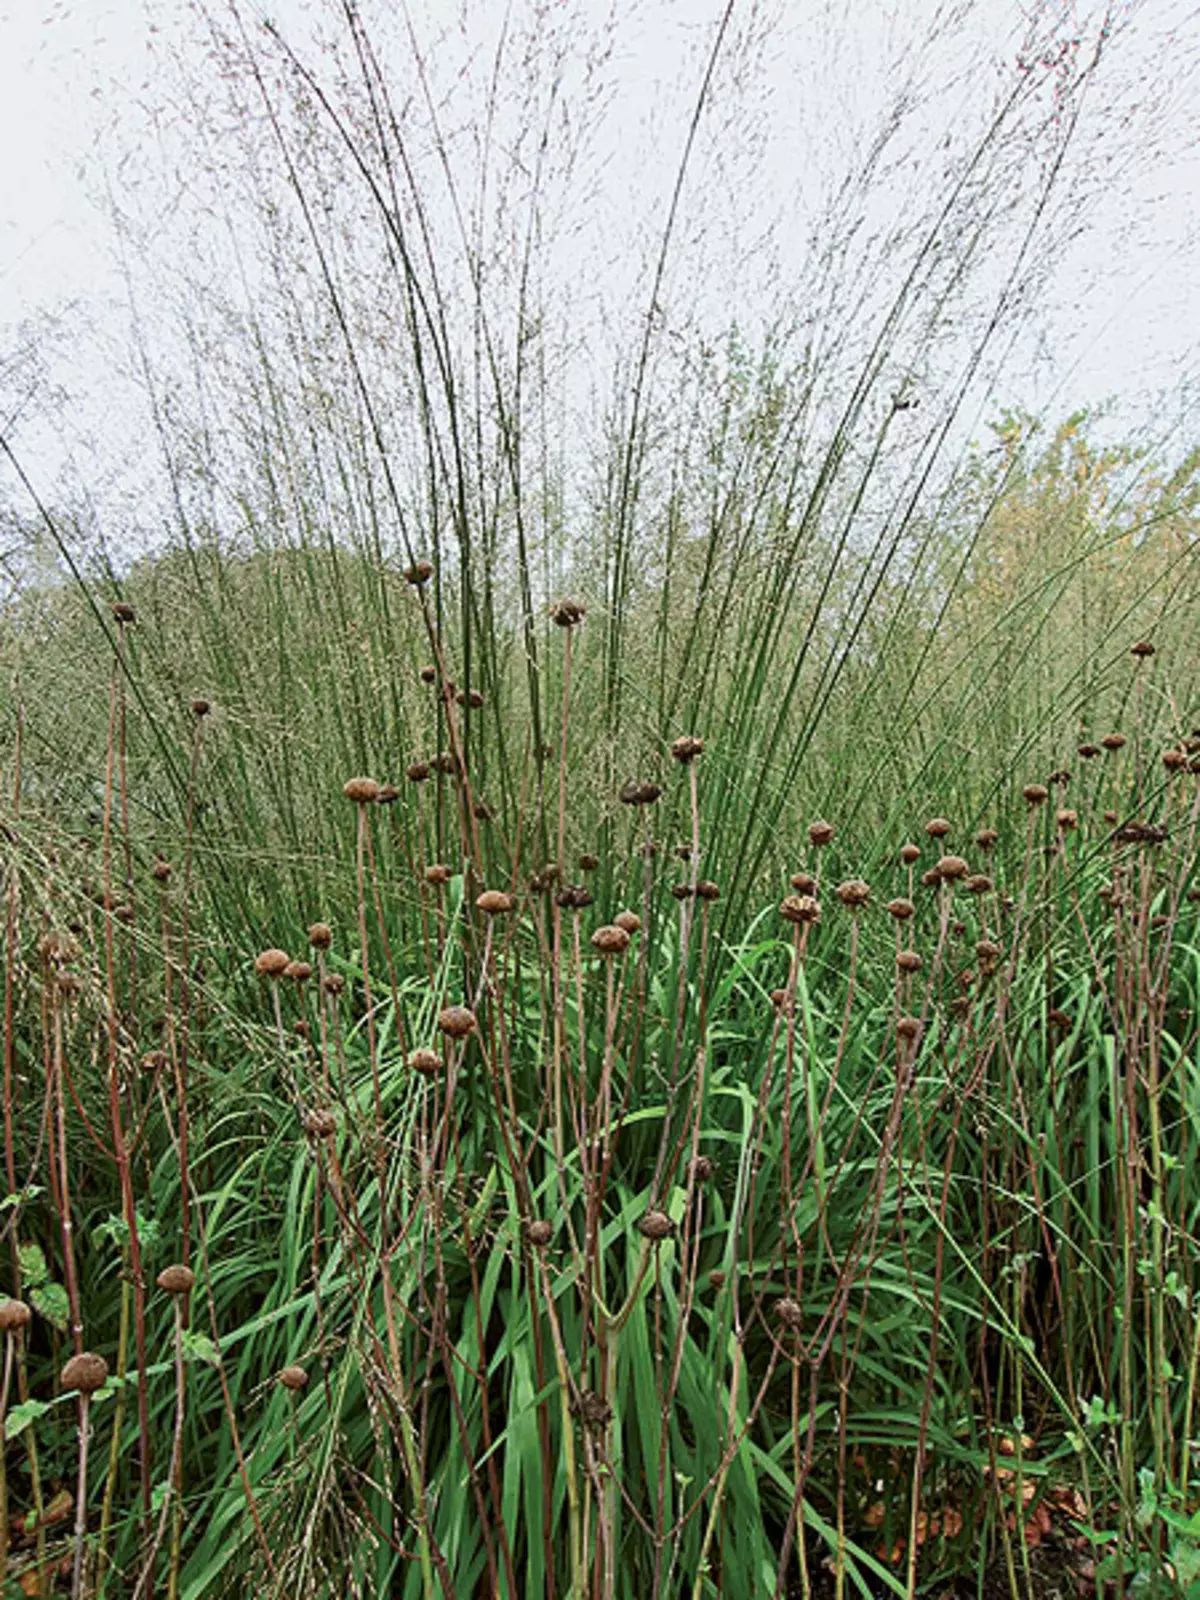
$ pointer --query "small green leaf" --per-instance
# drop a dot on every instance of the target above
(19, 1418)
(21, 1197)
(50, 1301)
(33, 1265)
(199, 1347)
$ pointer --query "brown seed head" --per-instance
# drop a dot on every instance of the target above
(901, 909)
(682, 891)
(161, 871)
(1175, 760)
(986, 838)
(629, 921)
(123, 612)
(778, 998)
(908, 961)
(300, 971)
(428, 674)
(588, 862)
(200, 707)
(494, 902)
(931, 878)
(320, 936)
(1036, 794)
(388, 794)
(417, 771)
(14, 1315)
(363, 791)
(419, 573)
(908, 1029)
(1143, 650)
(574, 897)
(155, 1061)
(937, 827)
(426, 1063)
(294, 1378)
(803, 882)
(800, 909)
(909, 853)
(978, 883)
(176, 1279)
(334, 984)
(853, 893)
(1066, 820)
(568, 613)
(85, 1372)
(456, 1022)
(706, 889)
(634, 793)
(1059, 778)
(655, 1225)
(610, 940)
(820, 833)
(438, 874)
(687, 747)
(539, 1233)
(951, 867)
(1113, 741)
(271, 963)
(702, 1169)
(717, 1278)
(1088, 751)
(988, 950)
(789, 1312)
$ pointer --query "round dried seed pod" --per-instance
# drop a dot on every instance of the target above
(931, 878)
(853, 893)
(655, 1225)
(951, 867)
(717, 1278)
(388, 794)
(494, 902)
(820, 833)
(294, 1379)
(978, 883)
(155, 1061)
(568, 613)
(161, 871)
(789, 1313)
(910, 853)
(334, 984)
(445, 764)
(986, 838)
(456, 1022)
(200, 707)
(1113, 741)
(300, 1029)
(417, 771)
(629, 921)
(363, 791)
(271, 963)
(908, 1028)
(937, 827)
(610, 940)
(908, 961)
(14, 1315)
(419, 574)
(682, 891)
(320, 936)
(1143, 649)
(988, 950)
(686, 748)
(539, 1233)
(85, 1372)
(1059, 778)
(593, 1410)
(1088, 751)
(803, 882)
(702, 1169)
(425, 1062)
(706, 889)
(575, 897)
(1066, 820)
(437, 874)
(320, 1124)
(428, 674)
(300, 971)
(901, 908)
(483, 812)
(799, 909)
(1175, 760)
(176, 1279)
(123, 612)
(778, 998)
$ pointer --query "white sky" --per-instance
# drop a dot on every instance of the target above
(78, 83)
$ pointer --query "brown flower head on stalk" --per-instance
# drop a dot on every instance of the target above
(437, 874)
(655, 1225)
(951, 867)
(417, 771)
(629, 921)
(123, 612)
(706, 889)
(1143, 650)
(686, 748)
(574, 897)
(1088, 752)
(799, 909)
(717, 1278)
(85, 1372)
(820, 833)
(201, 707)
(320, 1124)
(539, 1233)
(937, 827)
(588, 862)
(803, 882)
(1059, 778)
(362, 791)
(593, 1410)
(320, 936)
(610, 940)
(419, 574)
(1113, 741)
(988, 950)
(908, 1029)
(161, 871)
(1175, 760)
(388, 794)
(702, 1169)
(1066, 820)
(470, 697)
(494, 903)
(682, 891)
(456, 1022)
(176, 1279)
(294, 1378)
(428, 674)
(298, 971)
(901, 908)
(853, 893)
(334, 984)
(568, 613)
(271, 963)
(1036, 794)
(778, 998)
(444, 763)
(908, 961)
(978, 883)
(910, 853)
(425, 1063)
(986, 838)
(789, 1313)
(14, 1315)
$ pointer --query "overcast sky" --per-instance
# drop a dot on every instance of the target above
(80, 85)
